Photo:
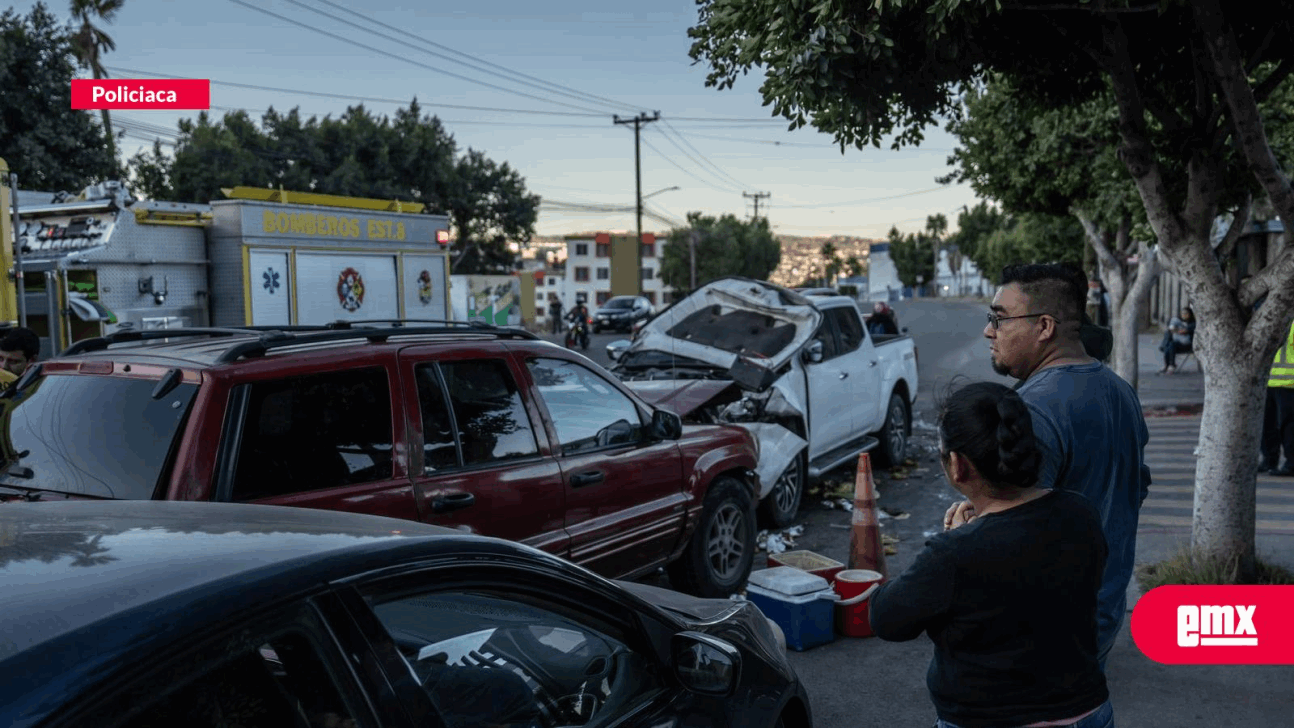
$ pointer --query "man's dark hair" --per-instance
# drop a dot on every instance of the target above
(1055, 288)
(20, 339)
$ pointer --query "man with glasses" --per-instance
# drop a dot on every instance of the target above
(1087, 419)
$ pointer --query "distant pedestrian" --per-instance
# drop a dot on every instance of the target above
(555, 313)
(19, 348)
(882, 320)
(1009, 598)
(1080, 409)
(1179, 338)
(1278, 419)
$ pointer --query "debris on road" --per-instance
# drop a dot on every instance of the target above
(777, 542)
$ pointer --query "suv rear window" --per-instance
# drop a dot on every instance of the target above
(100, 436)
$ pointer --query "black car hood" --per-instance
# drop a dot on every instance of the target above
(697, 608)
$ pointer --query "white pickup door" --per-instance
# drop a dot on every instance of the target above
(844, 386)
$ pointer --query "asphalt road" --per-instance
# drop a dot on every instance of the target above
(865, 682)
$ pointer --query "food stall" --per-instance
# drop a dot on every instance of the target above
(285, 258)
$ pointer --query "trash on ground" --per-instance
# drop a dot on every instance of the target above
(890, 551)
(888, 539)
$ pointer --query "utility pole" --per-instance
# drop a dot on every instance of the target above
(757, 197)
(638, 121)
(693, 236)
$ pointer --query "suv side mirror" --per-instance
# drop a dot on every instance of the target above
(813, 352)
(904, 331)
(666, 425)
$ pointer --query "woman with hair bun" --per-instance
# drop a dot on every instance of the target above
(1009, 598)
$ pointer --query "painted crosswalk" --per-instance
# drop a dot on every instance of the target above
(1171, 457)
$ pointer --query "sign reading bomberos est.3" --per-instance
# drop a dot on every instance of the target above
(343, 225)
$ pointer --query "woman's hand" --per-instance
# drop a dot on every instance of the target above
(959, 514)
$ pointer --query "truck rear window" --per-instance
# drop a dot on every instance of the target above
(98, 436)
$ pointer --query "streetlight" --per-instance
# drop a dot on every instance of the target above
(657, 192)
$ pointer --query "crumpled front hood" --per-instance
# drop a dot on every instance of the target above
(758, 321)
(681, 397)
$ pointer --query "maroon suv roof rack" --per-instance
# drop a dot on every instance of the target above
(273, 337)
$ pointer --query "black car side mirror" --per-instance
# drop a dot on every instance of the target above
(666, 425)
(705, 664)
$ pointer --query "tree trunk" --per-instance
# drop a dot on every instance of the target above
(1128, 293)
(1223, 522)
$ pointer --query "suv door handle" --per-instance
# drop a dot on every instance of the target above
(874, 363)
(451, 502)
(592, 477)
(844, 375)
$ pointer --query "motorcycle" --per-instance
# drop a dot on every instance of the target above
(578, 333)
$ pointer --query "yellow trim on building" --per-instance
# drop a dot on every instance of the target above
(247, 285)
(184, 219)
(263, 194)
(292, 287)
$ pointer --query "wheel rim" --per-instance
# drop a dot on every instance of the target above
(786, 492)
(897, 437)
(726, 543)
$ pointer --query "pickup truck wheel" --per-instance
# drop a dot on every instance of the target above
(894, 435)
(782, 503)
(721, 552)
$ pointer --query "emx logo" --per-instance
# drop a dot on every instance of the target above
(1216, 625)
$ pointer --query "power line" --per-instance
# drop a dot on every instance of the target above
(721, 180)
(684, 170)
(366, 99)
(846, 203)
(704, 158)
(576, 93)
(398, 57)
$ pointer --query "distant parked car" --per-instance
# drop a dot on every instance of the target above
(621, 313)
(205, 615)
(488, 429)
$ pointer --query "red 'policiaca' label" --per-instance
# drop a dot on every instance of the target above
(134, 93)
(1216, 625)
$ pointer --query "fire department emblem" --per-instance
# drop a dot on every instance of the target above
(424, 287)
(350, 290)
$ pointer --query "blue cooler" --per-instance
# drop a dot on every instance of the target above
(802, 604)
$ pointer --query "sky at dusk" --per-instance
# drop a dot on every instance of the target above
(598, 59)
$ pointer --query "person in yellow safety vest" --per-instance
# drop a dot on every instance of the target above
(1278, 419)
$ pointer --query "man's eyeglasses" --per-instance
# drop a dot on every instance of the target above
(996, 321)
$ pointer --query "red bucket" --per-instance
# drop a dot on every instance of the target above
(855, 588)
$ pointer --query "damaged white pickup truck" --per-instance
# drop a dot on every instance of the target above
(799, 371)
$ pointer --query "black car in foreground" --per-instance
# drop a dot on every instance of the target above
(138, 614)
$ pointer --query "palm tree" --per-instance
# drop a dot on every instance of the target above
(90, 43)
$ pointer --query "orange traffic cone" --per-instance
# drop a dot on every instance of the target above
(865, 548)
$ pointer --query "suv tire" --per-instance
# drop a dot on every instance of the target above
(782, 504)
(718, 558)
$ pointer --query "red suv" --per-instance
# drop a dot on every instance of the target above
(487, 429)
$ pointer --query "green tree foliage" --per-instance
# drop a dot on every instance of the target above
(974, 226)
(1032, 238)
(913, 257)
(726, 246)
(1188, 80)
(90, 42)
(408, 157)
(47, 143)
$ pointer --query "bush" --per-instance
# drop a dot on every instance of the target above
(1187, 568)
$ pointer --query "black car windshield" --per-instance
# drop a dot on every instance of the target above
(619, 303)
(99, 436)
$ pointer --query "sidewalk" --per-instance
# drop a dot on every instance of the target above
(1161, 392)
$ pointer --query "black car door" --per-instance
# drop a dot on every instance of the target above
(514, 645)
(280, 667)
